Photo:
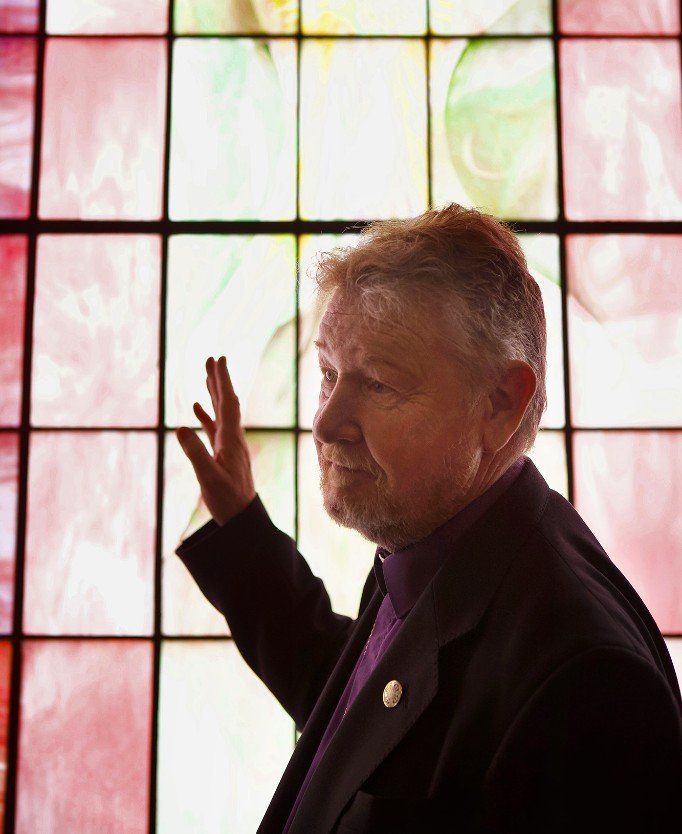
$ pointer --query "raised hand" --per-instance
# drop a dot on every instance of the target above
(226, 479)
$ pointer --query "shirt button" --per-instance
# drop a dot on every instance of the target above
(392, 692)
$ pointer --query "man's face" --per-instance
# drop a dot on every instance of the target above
(392, 405)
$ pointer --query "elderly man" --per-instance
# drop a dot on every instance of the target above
(502, 675)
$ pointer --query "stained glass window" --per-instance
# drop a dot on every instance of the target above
(169, 172)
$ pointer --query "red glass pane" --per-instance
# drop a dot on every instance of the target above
(13, 254)
(622, 129)
(619, 17)
(85, 740)
(5, 675)
(9, 495)
(624, 325)
(103, 127)
(17, 86)
(96, 331)
(18, 15)
(90, 533)
(627, 488)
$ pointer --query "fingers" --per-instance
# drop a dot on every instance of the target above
(206, 422)
(211, 384)
(220, 388)
(197, 453)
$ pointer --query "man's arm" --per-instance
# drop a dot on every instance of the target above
(597, 748)
(278, 612)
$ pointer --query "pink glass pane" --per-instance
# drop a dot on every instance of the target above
(107, 17)
(622, 129)
(18, 15)
(103, 127)
(9, 491)
(85, 741)
(17, 85)
(90, 533)
(13, 254)
(628, 489)
(625, 320)
(5, 672)
(96, 330)
(620, 17)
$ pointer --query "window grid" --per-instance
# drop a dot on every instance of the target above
(31, 227)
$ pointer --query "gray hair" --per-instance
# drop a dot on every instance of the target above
(466, 270)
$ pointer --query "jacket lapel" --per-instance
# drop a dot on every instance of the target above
(370, 730)
(450, 607)
(306, 747)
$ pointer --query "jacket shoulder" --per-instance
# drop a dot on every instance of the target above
(564, 595)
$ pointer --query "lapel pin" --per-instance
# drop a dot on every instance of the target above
(392, 692)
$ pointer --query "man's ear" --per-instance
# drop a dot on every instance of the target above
(507, 404)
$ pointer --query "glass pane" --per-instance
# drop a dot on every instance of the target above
(5, 675)
(9, 497)
(622, 129)
(355, 17)
(472, 17)
(235, 16)
(310, 246)
(103, 128)
(363, 120)
(542, 257)
(93, 362)
(340, 556)
(17, 85)
(627, 490)
(91, 533)
(620, 17)
(625, 317)
(85, 741)
(493, 126)
(674, 645)
(19, 15)
(243, 306)
(234, 106)
(549, 455)
(13, 255)
(106, 16)
(224, 740)
(185, 609)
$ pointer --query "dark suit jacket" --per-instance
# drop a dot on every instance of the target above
(538, 692)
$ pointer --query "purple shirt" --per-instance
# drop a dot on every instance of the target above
(402, 576)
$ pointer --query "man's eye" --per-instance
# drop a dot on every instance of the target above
(374, 384)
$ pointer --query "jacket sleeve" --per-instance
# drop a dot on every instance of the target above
(597, 748)
(279, 613)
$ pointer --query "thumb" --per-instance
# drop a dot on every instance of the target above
(197, 453)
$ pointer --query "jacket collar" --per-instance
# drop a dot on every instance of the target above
(452, 605)
(405, 573)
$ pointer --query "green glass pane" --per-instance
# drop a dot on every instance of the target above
(548, 453)
(232, 295)
(493, 126)
(542, 257)
(363, 129)
(233, 129)
(224, 740)
(185, 609)
(358, 17)
(473, 17)
(340, 556)
(211, 17)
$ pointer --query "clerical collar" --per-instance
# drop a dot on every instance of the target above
(405, 573)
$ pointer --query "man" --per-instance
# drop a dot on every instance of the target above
(502, 675)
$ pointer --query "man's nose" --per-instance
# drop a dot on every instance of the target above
(336, 417)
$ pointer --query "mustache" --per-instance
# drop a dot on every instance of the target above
(347, 465)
